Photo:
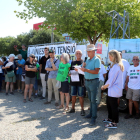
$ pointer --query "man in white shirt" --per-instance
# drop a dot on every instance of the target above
(102, 75)
(132, 86)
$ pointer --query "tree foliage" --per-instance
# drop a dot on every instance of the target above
(31, 38)
(82, 19)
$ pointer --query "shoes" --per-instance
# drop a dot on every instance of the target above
(42, 98)
(30, 100)
(35, 96)
(24, 101)
(137, 116)
(6, 94)
(92, 122)
(56, 104)
(107, 121)
(82, 113)
(111, 125)
(11, 93)
(88, 116)
(72, 111)
(128, 116)
(47, 102)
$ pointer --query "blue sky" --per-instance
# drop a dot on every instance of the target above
(10, 25)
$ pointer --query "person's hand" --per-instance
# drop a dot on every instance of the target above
(51, 60)
(17, 68)
(8, 67)
(102, 88)
(76, 69)
(126, 87)
(83, 69)
(69, 75)
(84, 64)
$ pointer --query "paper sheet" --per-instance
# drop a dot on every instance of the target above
(79, 70)
(74, 76)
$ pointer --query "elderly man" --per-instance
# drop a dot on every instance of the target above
(20, 64)
(132, 86)
(91, 68)
(52, 65)
(77, 86)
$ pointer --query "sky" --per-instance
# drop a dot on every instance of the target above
(10, 25)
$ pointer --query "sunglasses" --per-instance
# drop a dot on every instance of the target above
(135, 59)
(32, 56)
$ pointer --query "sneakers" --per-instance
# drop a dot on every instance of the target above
(47, 102)
(42, 98)
(92, 122)
(72, 111)
(56, 104)
(111, 125)
(88, 116)
(82, 113)
(137, 116)
(11, 93)
(128, 116)
(6, 94)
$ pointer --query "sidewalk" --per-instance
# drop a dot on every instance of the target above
(36, 121)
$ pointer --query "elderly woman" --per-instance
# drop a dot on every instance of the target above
(114, 85)
(10, 68)
(62, 76)
(30, 68)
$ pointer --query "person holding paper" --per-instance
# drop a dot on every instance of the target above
(91, 68)
(77, 86)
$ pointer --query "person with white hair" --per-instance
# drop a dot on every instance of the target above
(20, 64)
(10, 68)
(62, 76)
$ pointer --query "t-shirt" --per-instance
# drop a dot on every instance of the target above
(30, 74)
(43, 62)
(12, 67)
(22, 62)
(101, 72)
(24, 54)
(134, 77)
(126, 67)
(81, 77)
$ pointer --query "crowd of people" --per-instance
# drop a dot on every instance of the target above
(74, 78)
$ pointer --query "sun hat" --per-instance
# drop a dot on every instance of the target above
(91, 47)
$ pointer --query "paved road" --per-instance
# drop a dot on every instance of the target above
(36, 121)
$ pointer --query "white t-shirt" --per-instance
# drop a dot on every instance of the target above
(1, 66)
(126, 67)
(134, 77)
(101, 72)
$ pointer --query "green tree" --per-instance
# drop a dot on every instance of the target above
(82, 19)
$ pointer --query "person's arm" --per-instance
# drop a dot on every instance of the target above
(6, 67)
(40, 68)
(30, 69)
(95, 71)
(104, 75)
(126, 82)
(1, 63)
(16, 49)
(53, 65)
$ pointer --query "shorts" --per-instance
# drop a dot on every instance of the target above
(7, 79)
(23, 78)
(77, 89)
(64, 87)
(18, 77)
(29, 80)
(133, 94)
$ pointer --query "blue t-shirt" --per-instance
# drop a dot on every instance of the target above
(22, 62)
(91, 65)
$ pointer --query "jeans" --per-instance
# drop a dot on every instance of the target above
(77, 89)
(92, 88)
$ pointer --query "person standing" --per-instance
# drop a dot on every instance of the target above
(10, 68)
(42, 70)
(77, 87)
(91, 68)
(132, 86)
(52, 65)
(20, 64)
(1, 73)
(22, 51)
(30, 68)
(114, 85)
(102, 75)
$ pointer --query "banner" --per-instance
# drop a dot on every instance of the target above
(99, 48)
(38, 51)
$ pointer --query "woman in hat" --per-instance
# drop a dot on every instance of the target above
(30, 68)
(10, 68)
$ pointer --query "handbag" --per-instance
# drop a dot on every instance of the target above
(10, 74)
(58, 84)
(47, 73)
